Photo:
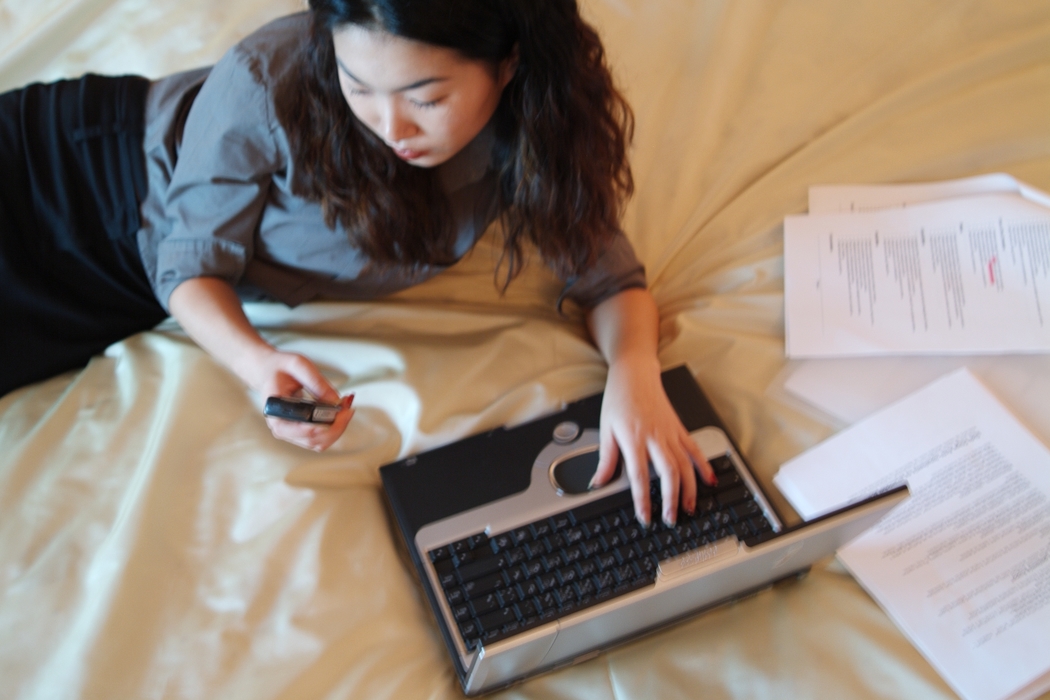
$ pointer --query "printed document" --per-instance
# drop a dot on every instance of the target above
(963, 567)
(963, 275)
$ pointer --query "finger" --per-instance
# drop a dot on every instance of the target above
(669, 483)
(707, 472)
(608, 456)
(687, 490)
(637, 467)
(306, 373)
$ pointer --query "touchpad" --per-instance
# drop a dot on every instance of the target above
(573, 474)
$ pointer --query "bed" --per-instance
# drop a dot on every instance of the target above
(157, 542)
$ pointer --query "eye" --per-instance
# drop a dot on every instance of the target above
(356, 92)
(425, 105)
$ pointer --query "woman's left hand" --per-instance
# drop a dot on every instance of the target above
(638, 422)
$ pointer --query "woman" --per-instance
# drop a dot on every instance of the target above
(344, 153)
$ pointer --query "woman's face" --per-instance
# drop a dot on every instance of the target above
(426, 102)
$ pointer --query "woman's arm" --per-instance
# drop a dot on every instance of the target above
(637, 419)
(210, 312)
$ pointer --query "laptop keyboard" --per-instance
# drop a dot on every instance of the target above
(503, 584)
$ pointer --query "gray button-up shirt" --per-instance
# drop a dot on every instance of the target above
(220, 200)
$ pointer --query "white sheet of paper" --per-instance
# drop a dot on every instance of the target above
(848, 389)
(963, 567)
(840, 199)
(957, 276)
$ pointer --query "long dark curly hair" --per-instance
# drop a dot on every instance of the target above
(562, 133)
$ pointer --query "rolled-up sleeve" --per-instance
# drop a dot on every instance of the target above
(221, 179)
(615, 270)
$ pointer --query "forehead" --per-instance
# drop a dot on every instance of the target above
(386, 61)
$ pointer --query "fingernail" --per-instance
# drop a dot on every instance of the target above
(642, 520)
(691, 508)
(590, 484)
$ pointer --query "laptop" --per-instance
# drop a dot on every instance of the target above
(527, 570)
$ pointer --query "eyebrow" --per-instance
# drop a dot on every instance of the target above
(413, 86)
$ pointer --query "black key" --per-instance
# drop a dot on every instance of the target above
(666, 539)
(528, 609)
(572, 555)
(484, 604)
(722, 464)
(530, 589)
(454, 596)
(573, 535)
(705, 504)
(602, 506)
(607, 561)
(481, 586)
(595, 527)
(491, 636)
(469, 629)
(633, 532)
(547, 601)
(566, 595)
(515, 556)
(461, 612)
(721, 518)
(532, 568)
(742, 530)
(648, 546)
(585, 587)
(554, 560)
(624, 573)
(479, 568)
(728, 479)
(497, 618)
(478, 540)
(760, 524)
(567, 575)
(440, 553)
(460, 547)
(557, 541)
(548, 581)
(541, 528)
(587, 567)
(604, 580)
(590, 547)
(613, 539)
(560, 521)
(733, 495)
(627, 553)
(501, 542)
(515, 574)
(617, 520)
(522, 535)
(471, 556)
(745, 510)
(668, 552)
(509, 596)
(535, 549)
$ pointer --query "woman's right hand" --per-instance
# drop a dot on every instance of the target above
(294, 376)
(210, 312)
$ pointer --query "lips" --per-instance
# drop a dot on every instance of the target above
(408, 153)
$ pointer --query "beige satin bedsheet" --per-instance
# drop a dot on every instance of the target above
(156, 542)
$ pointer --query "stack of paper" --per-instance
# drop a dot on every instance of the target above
(963, 567)
(950, 267)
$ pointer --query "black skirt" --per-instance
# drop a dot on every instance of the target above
(72, 175)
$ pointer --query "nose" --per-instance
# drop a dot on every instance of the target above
(394, 124)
